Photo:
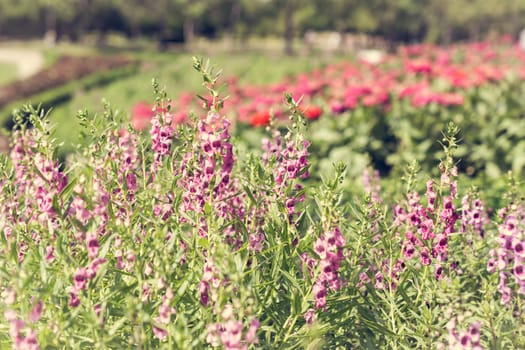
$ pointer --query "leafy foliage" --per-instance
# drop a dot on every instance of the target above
(184, 238)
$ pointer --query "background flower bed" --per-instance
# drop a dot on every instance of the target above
(388, 114)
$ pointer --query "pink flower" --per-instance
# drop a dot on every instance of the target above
(36, 312)
(519, 270)
(49, 254)
(337, 107)
(74, 301)
(320, 248)
(79, 279)
(420, 66)
(93, 268)
(232, 335)
(465, 339)
(439, 272)
(9, 296)
(309, 316)
(475, 332)
(30, 342)
(159, 333)
(519, 249)
(141, 115)
(251, 334)
(425, 256)
(92, 245)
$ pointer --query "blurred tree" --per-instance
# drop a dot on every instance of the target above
(55, 13)
(441, 21)
(286, 10)
(138, 14)
(13, 10)
(104, 17)
(182, 15)
(244, 16)
(402, 20)
(190, 11)
(351, 16)
(289, 25)
(18, 8)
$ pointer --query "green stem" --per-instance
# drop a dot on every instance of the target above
(420, 287)
(393, 326)
(290, 328)
(494, 343)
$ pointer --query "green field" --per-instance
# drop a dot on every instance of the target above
(8, 73)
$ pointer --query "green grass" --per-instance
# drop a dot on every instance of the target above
(175, 73)
(173, 70)
(8, 73)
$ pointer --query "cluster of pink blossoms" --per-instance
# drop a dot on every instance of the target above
(81, 278)
(473, 215)
(24, 338)
(38, 180)
(206, 175)
(384, 273)
(164, 318)
(509, 258)
(462, 340)
(210, 282)
(162, 130)
(289, 159)
(122, 197)
(329, 249)
(229, 332)
(161, 134)
(428, 227)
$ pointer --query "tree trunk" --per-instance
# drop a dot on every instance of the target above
(80, 22)
(288, 28)
(475, 31)
(343, 40)
(134, 31)
(340, 27)
(102, 37)
(50, 36)
(447, 33)
(188, 31)
(235, 16)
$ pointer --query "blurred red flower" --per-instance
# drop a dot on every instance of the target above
(261, 118)
(141, 115)
(312, 111)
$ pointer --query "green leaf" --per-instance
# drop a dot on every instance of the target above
(117, 325)
(105, 247)
(203, 242)
(66, 191)
(250, 195)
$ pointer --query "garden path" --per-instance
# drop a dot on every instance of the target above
(28, 61)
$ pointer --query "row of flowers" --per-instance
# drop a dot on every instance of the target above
(419, 74)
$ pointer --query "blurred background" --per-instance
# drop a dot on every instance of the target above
(69, 55)
(183, 23)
